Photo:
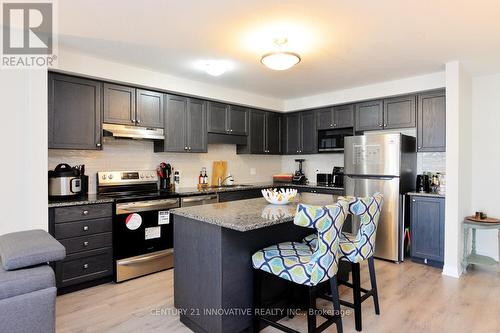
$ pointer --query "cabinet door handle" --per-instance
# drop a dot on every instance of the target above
(85, 266)
(334, 125)
(379, 125)
(185, 148)
(85, 228)
(385, 125)
(413, 200)
(85, 244)
(138, 121)
(85, 212)
(331, 125)
(98, 144)
(419, 147)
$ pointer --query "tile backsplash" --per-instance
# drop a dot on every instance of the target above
(123, 154)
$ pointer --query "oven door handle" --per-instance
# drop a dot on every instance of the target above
(146, 206)
(199, 198)
(146, 258)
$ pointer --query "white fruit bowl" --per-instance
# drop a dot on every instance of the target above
(279, 196)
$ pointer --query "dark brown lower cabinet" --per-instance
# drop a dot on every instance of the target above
(427, 229)
(86, 233)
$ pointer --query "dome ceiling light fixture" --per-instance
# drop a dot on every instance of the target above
(280, 60)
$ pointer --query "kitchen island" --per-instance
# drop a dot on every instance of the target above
(213, 274)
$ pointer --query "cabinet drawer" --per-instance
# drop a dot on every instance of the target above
(84, 212)
(85, 243)
(82, 228)
(77, 268)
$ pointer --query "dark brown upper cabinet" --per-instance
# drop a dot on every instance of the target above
(273, 133)
(341, 116)
(149, 108)
(300, 133)
(217, 117)
(264, 135)
(185, 126)
(431, 122)
(226, 119)
(238, 120)
(74, 112)
(119, 104)
(400, 112)
(369, 115)
(130, 106)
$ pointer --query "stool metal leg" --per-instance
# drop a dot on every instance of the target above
(336, 303)
(257, 301)
(311, 311)
(373, 280)
(356, 289)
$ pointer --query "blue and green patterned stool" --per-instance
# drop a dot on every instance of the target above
(357, 249)
(298, 263)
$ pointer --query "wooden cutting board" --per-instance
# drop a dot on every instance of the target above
(219, 169)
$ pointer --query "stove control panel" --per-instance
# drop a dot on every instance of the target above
(106, 178)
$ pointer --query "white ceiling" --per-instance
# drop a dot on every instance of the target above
(343, 43)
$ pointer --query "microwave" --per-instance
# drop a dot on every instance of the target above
(332, 140)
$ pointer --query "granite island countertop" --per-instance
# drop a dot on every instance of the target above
(423, 194)
(251, 214)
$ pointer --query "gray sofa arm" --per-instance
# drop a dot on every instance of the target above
(29, 248)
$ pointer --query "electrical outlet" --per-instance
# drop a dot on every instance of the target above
(253, 171)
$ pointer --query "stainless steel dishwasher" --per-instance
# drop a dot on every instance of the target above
(198, 200)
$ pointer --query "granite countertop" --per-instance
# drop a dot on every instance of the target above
(186, 191)
(419, 194)
(84, 200)
(181, 192)
(251, 214)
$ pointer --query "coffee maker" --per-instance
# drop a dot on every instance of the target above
(165, 176)
(338, 177)
(299, 177)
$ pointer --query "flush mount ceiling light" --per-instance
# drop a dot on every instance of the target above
(214, 67)
(280, 60)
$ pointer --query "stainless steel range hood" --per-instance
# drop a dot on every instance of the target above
(132, 132)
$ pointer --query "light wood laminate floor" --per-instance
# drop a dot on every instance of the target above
(413, 298)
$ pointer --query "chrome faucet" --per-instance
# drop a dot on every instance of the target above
(221, 181)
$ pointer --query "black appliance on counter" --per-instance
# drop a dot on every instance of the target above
(332, 140)
(423, 184)
(142, 230)
(299, 177)
(338, 177)
(324, 179)
(67, 182)
(334, 179)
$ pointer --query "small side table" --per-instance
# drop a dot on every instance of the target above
(471, 224)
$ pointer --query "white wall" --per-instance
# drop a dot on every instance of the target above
(377, 90)
(486, 156)
(72, 62)
(122, 154)
(23, 200)
(458, 163)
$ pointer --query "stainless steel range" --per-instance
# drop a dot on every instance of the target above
(142, 229)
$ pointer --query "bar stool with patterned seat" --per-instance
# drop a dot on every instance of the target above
(296, 262)
(358, 249)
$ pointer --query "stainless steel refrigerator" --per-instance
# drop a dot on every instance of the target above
(383, 163)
